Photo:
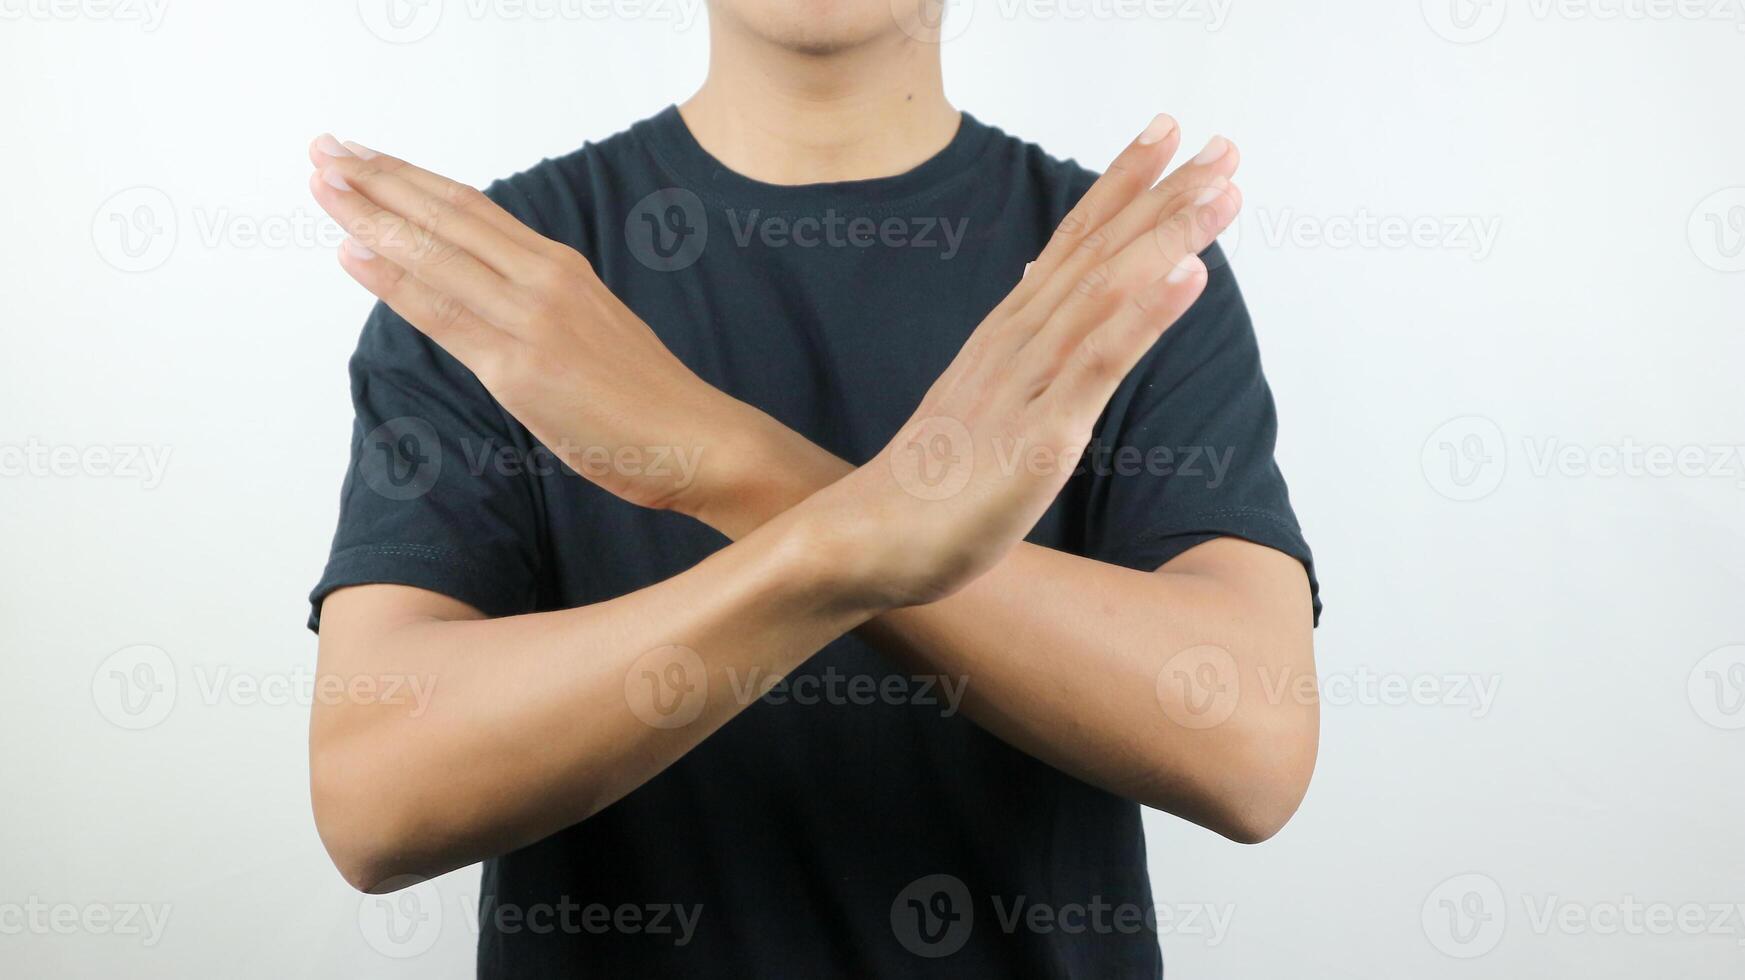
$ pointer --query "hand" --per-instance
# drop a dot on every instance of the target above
(997, 435)
(530, 318)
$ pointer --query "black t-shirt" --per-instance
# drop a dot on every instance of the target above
(851, 823)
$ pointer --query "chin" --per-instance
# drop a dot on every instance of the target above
(818, 28)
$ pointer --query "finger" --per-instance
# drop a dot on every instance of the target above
(1184, 232)
(439, 263)
(1134, 170)
(1082, 388)
(1187, 229)
(441, 219)
(443, 319)
(1218, 161)
(326, 149)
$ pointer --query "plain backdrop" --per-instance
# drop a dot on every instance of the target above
(1495, 252)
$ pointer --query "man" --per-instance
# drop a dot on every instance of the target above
(902, 544)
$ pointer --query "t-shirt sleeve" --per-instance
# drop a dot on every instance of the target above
(1185, 451)
(427, 499)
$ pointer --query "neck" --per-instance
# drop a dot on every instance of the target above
(786, 117)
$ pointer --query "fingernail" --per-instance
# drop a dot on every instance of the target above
(1026, 271)
(363, 152)
(1161, 125)
(357, 249)
(1184, 270)
(1208, 195)
(330, 146)
(1215, 149)
(334, 179)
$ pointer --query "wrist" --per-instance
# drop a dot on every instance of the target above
(820, 549)
(754, 470)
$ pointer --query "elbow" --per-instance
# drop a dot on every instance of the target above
(1253, 779)
(358, 827)
(1271, 774)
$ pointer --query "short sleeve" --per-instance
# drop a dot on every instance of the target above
(1185, 451)
(431, 497)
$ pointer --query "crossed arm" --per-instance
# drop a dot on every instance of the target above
(1095, 669)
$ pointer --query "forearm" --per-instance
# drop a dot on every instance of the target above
(1074, 660)
(535, 722)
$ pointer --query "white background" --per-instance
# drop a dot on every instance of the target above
(1600, 609)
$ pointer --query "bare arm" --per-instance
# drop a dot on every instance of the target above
(1190, 689)
(533, 723)
(563, 355)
